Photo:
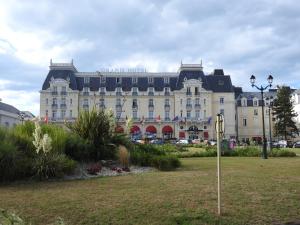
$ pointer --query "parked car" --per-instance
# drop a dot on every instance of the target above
(182, 142)
(212, 142)
(157, 141)
(282, 143)
(296, 144)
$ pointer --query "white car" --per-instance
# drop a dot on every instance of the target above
(183, 142)
(282, 143)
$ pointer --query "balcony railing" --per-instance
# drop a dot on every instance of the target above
(102, 93)
(134, 93)
(167, 93)
(54, 92)
(197, 105)
(167, 105)
(189, 93)
(188, 105)
(167, 119)
(134, 107)
(118, 105)
(63, 106)
(150, 105)
(119, 93)
(85, 106)
(197, 93)
(86, 93)
(54, 106)
(63, 93)
(150, 93)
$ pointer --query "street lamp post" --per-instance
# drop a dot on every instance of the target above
(270, 120)
(261, 89)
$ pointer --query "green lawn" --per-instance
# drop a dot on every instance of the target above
(296, 150)
(255, 191)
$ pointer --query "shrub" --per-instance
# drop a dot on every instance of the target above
(94, 168)
(282, 153)
(58, 136)
(79, 149)
(53, 165)
(249, 151)
(151, 149)
(123, 156)
(13, 163)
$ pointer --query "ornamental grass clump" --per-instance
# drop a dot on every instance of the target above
(123, 157)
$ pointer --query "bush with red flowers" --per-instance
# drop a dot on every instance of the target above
(94, 168)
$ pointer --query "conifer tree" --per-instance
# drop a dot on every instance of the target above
(284, 113)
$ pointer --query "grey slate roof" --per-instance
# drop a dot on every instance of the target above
(8, 108)
(217, 82)
(251, 95)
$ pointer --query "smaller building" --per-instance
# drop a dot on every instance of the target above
(9, 115)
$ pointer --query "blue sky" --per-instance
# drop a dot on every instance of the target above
(257, 37)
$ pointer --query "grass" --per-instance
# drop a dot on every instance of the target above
(255, 191)
(296, 150)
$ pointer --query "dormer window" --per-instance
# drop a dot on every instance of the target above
(188, 91)
(150, 80)
(118, 91)
(134, 91)
(221, 100)
(134, 80)
(244, 102)
(166, 80)
(102, 80)
(86, 80)
(221, 82)
(150, 90)
(119, 80)
(255, 102)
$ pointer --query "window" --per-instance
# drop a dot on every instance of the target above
(196, 91)
(255, 112)
(63, 89)
(150, 114)
(197, 101)
(188, 114)
(167, 90)
(134, 103)
(102, 80)
(188, 91)
(134, 80)
(134, 114)
(63, 113)
(151, 91)
(244, 122)
(86, 80)
(54, 113)
(197, 114)
(85, 89)
(54, 101)
(188, 101)
(167, 115)
(46, 112)
(118, 91)
(71, 101)
(181, 101)
(119, 113)
(71, 113)
(221, 100)
(119, 80)
(167, 101)
(150, 80)
(54, 89)
(46, 101)
(204, 113)
(204, 101)
(166, 80)
(151, 102)
(222, 112)
(134, 90)
(118, 101)
(85, 101)
(221, 82)
(102, 102)
(63, 101)
(255, 102)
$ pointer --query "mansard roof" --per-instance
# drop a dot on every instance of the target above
(251, 95)
(216, 82)
(8, 108)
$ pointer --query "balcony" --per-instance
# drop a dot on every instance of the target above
(188, 93)
(197, 105)
(167, 93)
(118, 105)
(63, 106)
(197, 93)
(63, 93)
(151, 93)
(54, 106)
(167, 106)
(134, 93)
(85, 106)
(150, 119)
(102, 93)
(167, 119)
(189, 105)
(86, 93)
(54, 92)
(134, 107)
(119, 93)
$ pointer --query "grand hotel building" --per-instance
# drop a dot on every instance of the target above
(182, 104)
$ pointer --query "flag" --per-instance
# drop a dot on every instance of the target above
(175, 118)
(158, 118)
(46, 119)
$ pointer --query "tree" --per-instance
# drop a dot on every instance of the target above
(284, 113)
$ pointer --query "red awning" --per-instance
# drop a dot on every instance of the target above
(167, 129)
(134, 129)
(205, 134)
(151, 129)
(181, 134)
(119, 129)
